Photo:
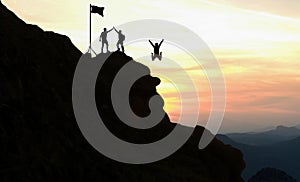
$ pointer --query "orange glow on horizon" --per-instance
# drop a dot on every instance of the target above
(258, 51)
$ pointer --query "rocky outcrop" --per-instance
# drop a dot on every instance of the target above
(39, 136)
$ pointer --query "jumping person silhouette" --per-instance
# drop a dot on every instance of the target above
(103, 36)
(121, 39)
(156, 53)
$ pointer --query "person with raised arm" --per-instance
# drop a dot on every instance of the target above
(103, 37)
(156, 48)
(121, 39)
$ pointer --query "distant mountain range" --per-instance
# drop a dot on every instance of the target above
(278, 134)
(278, 148)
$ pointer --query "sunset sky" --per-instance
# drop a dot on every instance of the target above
(257, 45)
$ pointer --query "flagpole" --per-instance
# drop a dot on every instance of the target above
(90, 46)
(90, 31)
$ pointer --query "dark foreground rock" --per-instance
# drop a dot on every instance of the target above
(39, 136)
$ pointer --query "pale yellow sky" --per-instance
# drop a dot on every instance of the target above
(257, 45)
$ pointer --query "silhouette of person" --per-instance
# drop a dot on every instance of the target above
(103, 36)
(156, 53)
(121, 39)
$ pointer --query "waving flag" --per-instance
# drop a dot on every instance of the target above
(96, 9)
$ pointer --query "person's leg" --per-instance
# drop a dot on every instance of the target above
(160, 56)
(102, 47)
(122, 46)
(152, 57)
(106, 47)
(118, 43)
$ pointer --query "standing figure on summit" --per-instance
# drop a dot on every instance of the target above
(103, 36)
(156, 47)
(121, 39)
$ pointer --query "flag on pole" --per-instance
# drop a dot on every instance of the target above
(96, 9)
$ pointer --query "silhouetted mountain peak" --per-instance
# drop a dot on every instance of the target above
(286, 131)
(279, 127)
(285, 128)
(271, 175)
(40, 139)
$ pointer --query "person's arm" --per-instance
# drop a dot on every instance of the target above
(151, 43)
(100, 37)
(161, 42)
(110, 30)
(115, 29)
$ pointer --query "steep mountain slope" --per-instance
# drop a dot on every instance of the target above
(39, 136)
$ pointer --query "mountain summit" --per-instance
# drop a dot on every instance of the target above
(271, 175)
(39, 136)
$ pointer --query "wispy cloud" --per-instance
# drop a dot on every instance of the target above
(257, 44)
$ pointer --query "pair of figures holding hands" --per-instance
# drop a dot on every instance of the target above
(103, 38)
